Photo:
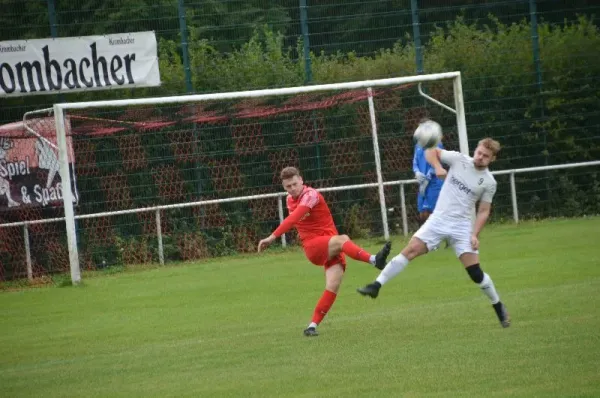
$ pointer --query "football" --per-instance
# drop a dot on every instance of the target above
(428, 134)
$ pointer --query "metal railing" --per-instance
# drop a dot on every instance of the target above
(279, 196)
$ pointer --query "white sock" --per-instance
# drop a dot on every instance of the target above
(313, 325)
(392, 268)
(372, 259)
(488, 288)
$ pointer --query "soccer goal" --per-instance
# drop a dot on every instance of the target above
(195, 176)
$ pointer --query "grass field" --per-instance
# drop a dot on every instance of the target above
(233, 327)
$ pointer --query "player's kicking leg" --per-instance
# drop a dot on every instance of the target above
(415, 248)
(483, 280)
(428, 237)
(342, 244)
(328, 251)
(333, 279)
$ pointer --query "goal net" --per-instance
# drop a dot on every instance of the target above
(191, 177)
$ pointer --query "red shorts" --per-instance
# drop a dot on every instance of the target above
(317, 252)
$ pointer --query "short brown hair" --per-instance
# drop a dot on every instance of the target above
(490, 144)
(289, 172)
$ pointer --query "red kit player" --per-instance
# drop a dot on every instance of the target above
(322, 244)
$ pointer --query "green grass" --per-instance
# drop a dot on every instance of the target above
(233, 327)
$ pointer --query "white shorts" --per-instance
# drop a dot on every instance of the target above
(456, 232)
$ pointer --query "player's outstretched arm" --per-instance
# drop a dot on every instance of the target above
(419, 174)
(433, 157)
(483, 213)
(285, 226)
(266, 242)
(415, 162)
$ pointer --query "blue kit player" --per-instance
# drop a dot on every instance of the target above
(429, 185)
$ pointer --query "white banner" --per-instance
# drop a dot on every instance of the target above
(50, 66)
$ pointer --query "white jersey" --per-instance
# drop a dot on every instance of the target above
(463, 187)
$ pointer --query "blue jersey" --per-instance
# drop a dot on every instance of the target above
(428, 200)
(421, 165)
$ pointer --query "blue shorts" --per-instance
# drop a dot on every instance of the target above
(428, 201)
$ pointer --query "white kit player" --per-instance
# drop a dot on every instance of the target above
(467, 182)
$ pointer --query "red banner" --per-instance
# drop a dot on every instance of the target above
(29, 167)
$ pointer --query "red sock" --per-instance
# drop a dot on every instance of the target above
(323, 306)
(356, 252)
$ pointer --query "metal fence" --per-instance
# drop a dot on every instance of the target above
(279, 196)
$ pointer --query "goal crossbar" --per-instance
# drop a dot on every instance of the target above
(260, 93)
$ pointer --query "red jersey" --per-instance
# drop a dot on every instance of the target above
(317, 222)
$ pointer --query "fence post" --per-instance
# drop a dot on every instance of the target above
(535, 41)
(184, 46)
(305, 41)
(403, 210)
(513, 196)
(281, 218)
(27, 252)
(308, 77)
(414, 7)
(52, 17)
(189, 88)
(537, 62)
(161, 252)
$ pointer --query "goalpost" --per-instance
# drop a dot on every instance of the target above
(199, 152)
